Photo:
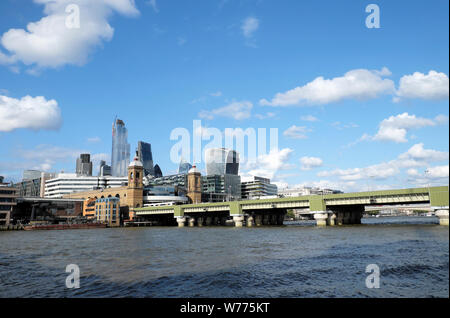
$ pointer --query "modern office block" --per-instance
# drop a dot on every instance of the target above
(84, 165)
(256, 187)
(144, 153)
(221, 161)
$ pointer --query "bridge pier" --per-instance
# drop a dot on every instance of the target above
(191, 221)
(442, 214)
(208, 221)
(238, 220)
(280, 219)
(181, 221)
(200, 221)
(258, 219)
(331, 221)
(321, 218)
(250, 221)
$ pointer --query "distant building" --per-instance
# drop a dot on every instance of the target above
(184, 167)
(107, 210)
(130, 193)
(144, 153)
(8, 196)
(84, 165)
(66, 183)
(158, 173)
(257, 187)
(296, 192)
(105, 170)
(219, 188)
(120, 157)
(221, 161)
(31, 174)
(163, 195)
(175, 180)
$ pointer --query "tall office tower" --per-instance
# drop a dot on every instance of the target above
(184, 167)
(120, 158)
(84, 165)
(144, 153)
(105, 170)
(221, 161)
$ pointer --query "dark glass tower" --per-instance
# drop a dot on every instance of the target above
(144, 153)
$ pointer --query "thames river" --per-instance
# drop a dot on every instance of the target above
(295, 260)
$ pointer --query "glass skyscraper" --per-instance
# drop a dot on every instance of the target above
(220, 161)
(120, 158)
(144, 152)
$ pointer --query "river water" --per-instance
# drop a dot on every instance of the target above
(295, 260)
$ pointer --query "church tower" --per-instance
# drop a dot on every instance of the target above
(135, 186)
(194, 188)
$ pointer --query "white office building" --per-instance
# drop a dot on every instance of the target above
(257, 187)
(65, 183)
(297, 192)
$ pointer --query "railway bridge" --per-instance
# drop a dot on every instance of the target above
(331, 209)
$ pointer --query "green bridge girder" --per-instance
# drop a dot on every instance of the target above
(437, 197)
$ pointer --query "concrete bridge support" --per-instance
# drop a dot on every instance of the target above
(321, 218)
(331, 221)
(443, 216)
(200, 221)
(258, 219)
(191, 222)
(250, 221)
(265, 219)
(238, 220)
(208, 221)
(181, 221)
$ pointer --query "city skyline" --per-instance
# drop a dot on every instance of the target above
(356, 108)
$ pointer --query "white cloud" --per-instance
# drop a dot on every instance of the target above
(359, 84)
(267, 165)
(235, 110)
(50, 43)
(309, 163)
(249, 26)
(415, 157)
(29, 112)
(395, 128)
(310, 118)
(431, 86)
(296, 132)
(438, 172)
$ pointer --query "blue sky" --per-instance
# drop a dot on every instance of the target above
(356, 108)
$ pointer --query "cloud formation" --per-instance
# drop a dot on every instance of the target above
(296, 132)
(395, 128)
(309, 163)
(29, 112)
(431, 86)
(55, 41)
(249, 26)
(359, 84)
(235, 110)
